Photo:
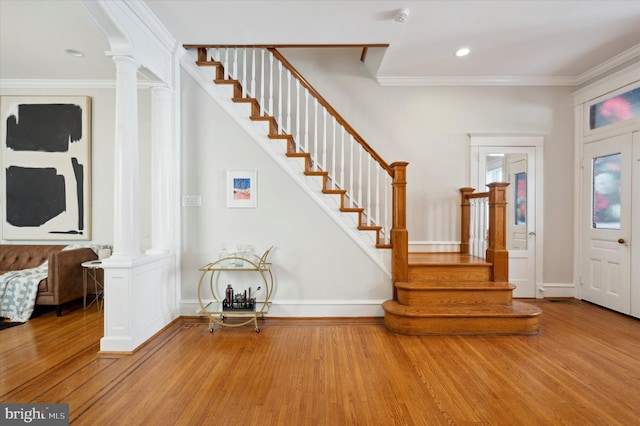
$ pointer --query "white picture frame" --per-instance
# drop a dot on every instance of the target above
(242, 189)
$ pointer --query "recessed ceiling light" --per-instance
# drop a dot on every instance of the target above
(464, 51)
(72, 52)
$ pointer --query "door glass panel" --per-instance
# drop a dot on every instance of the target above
(606, 192)
(512, 168)
(624, 106)
(520, 188)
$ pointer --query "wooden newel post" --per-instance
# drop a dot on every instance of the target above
(465, 219)
(399, 233)
(497, 248)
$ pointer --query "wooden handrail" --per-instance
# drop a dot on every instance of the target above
(332, 111)
(478, 195)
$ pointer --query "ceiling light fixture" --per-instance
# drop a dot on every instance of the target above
(464, 51)
(401, 15)
(72, 52)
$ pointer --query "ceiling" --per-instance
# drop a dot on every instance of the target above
(511, 41)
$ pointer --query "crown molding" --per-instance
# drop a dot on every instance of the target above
(478, 81)
(66, 84)
(607, 66)
(617, 61)
(56, 84)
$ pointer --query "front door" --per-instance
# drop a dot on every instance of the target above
(606, 222)
(516, 165)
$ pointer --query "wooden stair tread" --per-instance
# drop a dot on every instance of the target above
(454, 285)
(516, 309)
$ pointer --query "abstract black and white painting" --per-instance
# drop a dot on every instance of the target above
(46, 169)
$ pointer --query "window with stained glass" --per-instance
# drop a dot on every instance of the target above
(622, 107)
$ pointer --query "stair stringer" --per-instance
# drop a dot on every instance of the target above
(294, 167)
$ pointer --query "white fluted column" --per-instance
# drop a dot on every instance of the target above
(126, 226)
(162, 170)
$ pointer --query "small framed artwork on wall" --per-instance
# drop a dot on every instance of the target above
(46, 167)
(242, 189)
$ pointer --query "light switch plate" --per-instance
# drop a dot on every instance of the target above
(191, 200)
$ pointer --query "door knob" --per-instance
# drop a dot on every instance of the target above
(532, 233)
(621, 240)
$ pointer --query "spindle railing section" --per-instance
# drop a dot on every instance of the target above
(314, 130)
(483, 227)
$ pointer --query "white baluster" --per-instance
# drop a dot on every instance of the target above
(377, 193)
(486, 227)
(235, 64)
(324, 140)
(315, 134)
(262, 81)
(226, 64)
(333, 152)
(280, 96)
(253, 73)
(243, 84)
(368, 189)
(288, 102)
(342, 133)
(298, 144)
(472, 231)
(306, 121)
(351, 167)
(387, 216)
(360, 176)
(271, 111)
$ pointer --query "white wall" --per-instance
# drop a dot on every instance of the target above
(102, 139)
(319, 270)
(428, 127)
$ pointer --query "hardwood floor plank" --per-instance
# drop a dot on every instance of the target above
(582, 369)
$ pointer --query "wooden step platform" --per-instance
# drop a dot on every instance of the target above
(452, 293)
(447, 267)
(516, 318)
(418, 293)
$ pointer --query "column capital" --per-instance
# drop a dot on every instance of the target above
(125, 59)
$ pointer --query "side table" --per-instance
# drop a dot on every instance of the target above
(90, 272)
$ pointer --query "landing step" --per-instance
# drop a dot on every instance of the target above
(422, 293)
(516, 318)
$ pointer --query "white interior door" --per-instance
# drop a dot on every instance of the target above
(516, 165)
(606, 222)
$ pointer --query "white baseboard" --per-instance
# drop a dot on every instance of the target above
(308, 308)
(550, 290)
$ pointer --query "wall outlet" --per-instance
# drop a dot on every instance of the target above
(191, 200)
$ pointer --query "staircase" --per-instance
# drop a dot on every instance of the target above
(434, 293)
(451, 293)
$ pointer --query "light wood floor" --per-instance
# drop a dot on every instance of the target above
(582, 369)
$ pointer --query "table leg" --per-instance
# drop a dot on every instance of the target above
(84, 287)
